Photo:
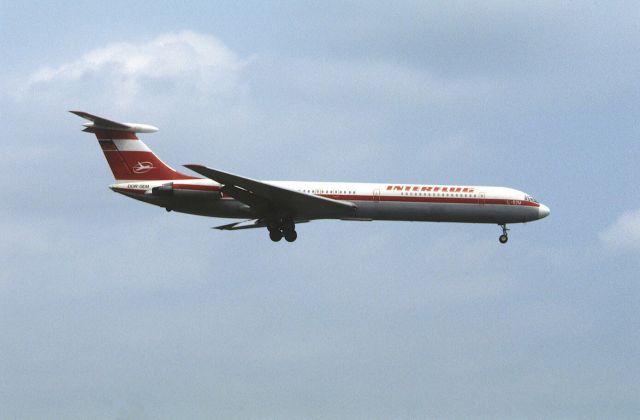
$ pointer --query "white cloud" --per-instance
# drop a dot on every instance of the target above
(182, 61)
(624, 233)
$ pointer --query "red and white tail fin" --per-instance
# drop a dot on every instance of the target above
(128, 157)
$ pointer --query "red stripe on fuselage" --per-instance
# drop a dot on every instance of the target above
(369, 198)
(438, 200)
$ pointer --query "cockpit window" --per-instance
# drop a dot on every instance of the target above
(530, 198)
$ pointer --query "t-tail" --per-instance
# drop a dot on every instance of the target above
(128, 157)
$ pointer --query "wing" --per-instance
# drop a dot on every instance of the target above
(267, 198)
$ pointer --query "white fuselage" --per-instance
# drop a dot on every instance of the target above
(406, 202)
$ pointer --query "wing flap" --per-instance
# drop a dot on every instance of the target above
(252, 200)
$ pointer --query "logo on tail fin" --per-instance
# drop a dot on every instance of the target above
(142, 167)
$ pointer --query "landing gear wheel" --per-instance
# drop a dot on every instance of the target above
(290, 235)
(504, 238)
(288, 225)
(282, 228)
(272, 227)
(275, 235)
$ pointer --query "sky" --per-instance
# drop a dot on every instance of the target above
(114, 309)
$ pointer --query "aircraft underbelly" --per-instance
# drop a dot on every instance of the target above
(402, 211)
(446, 212)
(199, 204)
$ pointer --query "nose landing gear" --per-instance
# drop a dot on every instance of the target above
(504, 237)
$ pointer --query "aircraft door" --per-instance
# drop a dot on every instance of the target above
(481, 199)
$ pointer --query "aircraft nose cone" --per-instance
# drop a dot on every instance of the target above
(543, 211)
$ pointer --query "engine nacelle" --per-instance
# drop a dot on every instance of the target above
(164, 190)
(169, 190)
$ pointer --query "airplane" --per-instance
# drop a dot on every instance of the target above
(279, 206)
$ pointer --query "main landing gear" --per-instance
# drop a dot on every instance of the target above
(504, 237)
(284, 229)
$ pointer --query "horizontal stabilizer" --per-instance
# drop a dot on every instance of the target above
(249, 224)
(245, 224)
(99, 123)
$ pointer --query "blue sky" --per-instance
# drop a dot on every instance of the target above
(110, 308)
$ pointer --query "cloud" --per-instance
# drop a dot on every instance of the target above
(177, 61)
(341, 107)
(624, 233)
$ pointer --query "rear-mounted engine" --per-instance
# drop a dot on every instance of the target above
(163, 190)
(168, 190)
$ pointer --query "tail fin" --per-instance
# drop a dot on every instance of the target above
(128, 157)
